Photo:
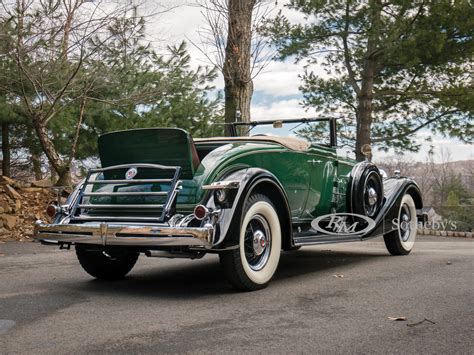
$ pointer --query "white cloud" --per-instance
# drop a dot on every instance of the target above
(279, 79)
(458, 150)
(280, 110)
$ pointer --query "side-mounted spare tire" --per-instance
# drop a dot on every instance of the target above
(365, 195)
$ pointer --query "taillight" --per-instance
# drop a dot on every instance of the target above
(200, 212)
(52, 210)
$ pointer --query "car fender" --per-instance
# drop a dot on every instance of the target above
(230, 219)
(394, 190)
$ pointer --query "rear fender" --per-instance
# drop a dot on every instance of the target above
(251, 180)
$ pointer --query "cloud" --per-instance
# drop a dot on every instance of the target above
(279, 79)
(280, 109)
(458, 150)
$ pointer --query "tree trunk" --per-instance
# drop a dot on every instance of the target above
(62, 168)
(6, 149)
(365, 108)
(36, 159)
(366, 95)
(237, 62)
(64, 177)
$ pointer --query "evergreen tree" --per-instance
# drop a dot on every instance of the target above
(392, 67)
(77, 75)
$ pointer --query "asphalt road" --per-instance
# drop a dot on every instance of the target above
(326, 299)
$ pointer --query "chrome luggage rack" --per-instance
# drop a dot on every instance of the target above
(79, 206)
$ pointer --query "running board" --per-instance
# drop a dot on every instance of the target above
(302, 239)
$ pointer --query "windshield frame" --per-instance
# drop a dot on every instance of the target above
(332, 126)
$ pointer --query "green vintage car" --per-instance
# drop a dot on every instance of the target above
(270, 186)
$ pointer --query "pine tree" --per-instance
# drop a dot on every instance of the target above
(391, 67)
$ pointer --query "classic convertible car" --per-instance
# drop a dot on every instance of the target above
(270, 186)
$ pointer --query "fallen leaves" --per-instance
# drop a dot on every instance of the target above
(339, 276)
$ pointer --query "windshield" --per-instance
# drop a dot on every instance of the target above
(315, 132)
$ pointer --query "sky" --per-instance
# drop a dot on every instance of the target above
(276, 93)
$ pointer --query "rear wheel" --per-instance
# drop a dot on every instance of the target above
(252, 265)
(401, 241)
(111, 265)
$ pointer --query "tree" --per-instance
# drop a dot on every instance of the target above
(237, 49)
(391, 67)
(84, 68)
(49, 42)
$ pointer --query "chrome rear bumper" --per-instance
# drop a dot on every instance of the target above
(117, 234)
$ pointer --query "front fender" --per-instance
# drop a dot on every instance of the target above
(394, 190)
(230, 219)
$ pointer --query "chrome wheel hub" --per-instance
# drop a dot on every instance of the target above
(372, 196)
(405, 223)
(372, 190)
(257, 243)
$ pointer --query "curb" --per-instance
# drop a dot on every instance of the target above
(453, 234)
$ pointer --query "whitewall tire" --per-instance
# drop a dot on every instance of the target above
(253, 264)
(402, 240)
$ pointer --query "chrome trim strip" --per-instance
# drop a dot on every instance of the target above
(218, 185)
(131, 193)
(115, 218)
(140, 165)
(125, 207)
(132, 181)
(115, 234)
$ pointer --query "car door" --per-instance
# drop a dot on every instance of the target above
(322, 163)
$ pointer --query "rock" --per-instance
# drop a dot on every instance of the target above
(42, 183)
(12, 192)
(32, 189)
(9, 221)
(5, 180)
(2, 211)
(5, 206)
(16, 206)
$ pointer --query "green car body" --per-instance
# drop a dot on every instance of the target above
(159, 192)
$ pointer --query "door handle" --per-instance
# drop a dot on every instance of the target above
(312, 161)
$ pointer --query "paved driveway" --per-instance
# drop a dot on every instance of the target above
(326, 299)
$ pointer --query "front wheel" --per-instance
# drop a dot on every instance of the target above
(252, 265)
(401, 241)
(110, 265)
